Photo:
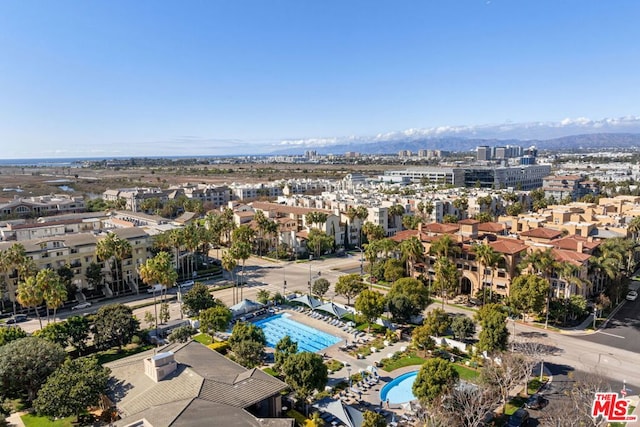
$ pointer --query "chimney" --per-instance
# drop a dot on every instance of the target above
(420, 227)
(580, 246)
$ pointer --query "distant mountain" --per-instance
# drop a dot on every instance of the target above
(566, 134)
(460, 144)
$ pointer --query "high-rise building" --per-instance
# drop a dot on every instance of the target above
(483, 152)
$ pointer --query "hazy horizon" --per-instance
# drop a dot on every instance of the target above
(160, 78)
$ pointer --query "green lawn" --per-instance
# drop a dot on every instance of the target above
(411, 360)
(30, 420)
(466, 374)
(113, 354)
(203, 339)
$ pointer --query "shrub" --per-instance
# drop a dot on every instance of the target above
(220, 347)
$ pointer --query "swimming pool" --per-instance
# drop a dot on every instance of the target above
(309, 339)
(399, 390)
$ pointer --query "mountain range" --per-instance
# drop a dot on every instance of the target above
(566, 135)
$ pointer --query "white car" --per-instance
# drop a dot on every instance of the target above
(632, 295)
(81, 306)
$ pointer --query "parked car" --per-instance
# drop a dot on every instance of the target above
(18, 318)
(81, 306)
(156, 288)
(632, 295)
(536, 401)
(186, 285)
(519, 418)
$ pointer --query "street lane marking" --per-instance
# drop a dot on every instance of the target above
(611, 335)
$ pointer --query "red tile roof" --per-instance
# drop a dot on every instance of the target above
(571, 243)
(509, 247)
(436, 227)
(491, 227)
(575, 258)
(469, 221)
(542, 233)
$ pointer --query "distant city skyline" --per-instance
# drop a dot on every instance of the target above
(159, 78)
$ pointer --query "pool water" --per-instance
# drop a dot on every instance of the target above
(309, 339)
(399, 390)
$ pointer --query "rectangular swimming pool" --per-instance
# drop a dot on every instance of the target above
(309, 339)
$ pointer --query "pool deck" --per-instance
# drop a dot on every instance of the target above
(370, 398)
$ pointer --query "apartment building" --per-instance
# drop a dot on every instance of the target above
(78, 251)
(33, 207)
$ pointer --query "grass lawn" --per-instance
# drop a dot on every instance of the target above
(402, 362)
(514, 404)
(30, 420)
(113, 354)
(203, 339)
(466, 374)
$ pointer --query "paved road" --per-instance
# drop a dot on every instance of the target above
(623, 330)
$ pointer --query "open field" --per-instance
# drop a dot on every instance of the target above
(36, 181)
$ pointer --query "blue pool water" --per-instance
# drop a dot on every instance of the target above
(399, 390)
(309, 339)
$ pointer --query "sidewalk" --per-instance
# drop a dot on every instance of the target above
(15, 420)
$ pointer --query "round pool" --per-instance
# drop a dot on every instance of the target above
(399, 390)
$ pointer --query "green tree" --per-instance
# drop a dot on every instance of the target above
(77, 328)
(446, 283)
(320, 287)
(487, 258)
(263, 296)
(55, 332)
(393, 270)
(94, 275)
(247, 342)
(437, 322)
(435, 378)
(181, 334)
(421, 338)
(373, 419)
(412, 251)
(494, 335)
(284, 349)
(29, 295)
(165, 314)
(370, 304)
(528, 293)
(72, 388)
(463, 327)
(215, 319)
(11, 333)
(305, 372)
(349, 286)
(407, 297)
(198, 298)
(319, 242)
(515, 209)
(114, 325)
(26, 363)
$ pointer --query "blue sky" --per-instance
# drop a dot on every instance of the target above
(120, 78)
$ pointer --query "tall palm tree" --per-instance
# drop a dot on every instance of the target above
(446, 282)
(412, 251)
(17, 260)
(191, 240)
(486, 257)
(362, 213)
(229, 263)
(351, 214)
(544, 264)
(54, 291)
(444, 246)
(634, 227)
(395, 211)
(121, 251)
(176, 240)
(30, 295)
(158, 270)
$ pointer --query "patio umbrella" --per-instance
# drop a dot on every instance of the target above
(308, 300)
(334, 309)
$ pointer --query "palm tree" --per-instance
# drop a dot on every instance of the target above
(54, 291)
(16, 259)
(30, 295)
(191, 240)
(362, 213)
(316, 218)
(351, 214)
(446, 278)
(412, 251)
(544, 264)
(176, 240)
(158, 270)
(444, 246)
(229, 263)
(121, 250)
(486, 257)
(634, 227)
(395, 211)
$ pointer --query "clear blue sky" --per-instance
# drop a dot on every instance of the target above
(83, 78)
